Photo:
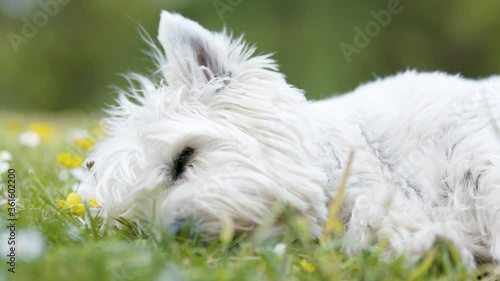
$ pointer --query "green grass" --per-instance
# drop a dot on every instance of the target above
(77, 251)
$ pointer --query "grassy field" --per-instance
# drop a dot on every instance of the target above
(65, 243)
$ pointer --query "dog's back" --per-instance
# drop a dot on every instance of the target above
(434, 139)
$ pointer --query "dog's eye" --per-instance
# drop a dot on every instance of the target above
(179, 165)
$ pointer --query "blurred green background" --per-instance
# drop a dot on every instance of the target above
(76, 54)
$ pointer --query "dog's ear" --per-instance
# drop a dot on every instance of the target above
(194, 54)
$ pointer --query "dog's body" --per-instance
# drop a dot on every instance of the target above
(224, 137)
(427, 161)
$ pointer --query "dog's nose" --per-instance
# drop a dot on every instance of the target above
(175, 227)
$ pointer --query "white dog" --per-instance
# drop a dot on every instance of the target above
(223, 136)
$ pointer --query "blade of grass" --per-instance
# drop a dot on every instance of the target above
(334, 223)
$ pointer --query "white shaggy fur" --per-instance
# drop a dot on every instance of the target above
(427, 149)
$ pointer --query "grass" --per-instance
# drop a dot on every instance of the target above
(75, 249)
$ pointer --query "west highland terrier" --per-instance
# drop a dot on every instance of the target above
(222, 136)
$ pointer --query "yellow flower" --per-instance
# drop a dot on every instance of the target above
(7, 205)
(93, 203)
(307, 267)
(73, 198)
(43, 130)
(78, 209)
(68, 160)
(73, 203)
(85, 143)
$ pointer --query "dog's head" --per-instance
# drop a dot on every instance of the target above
(221, 136)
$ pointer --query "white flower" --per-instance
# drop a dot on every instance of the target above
(4, 202)
(84, 186)
(30, 244)
(279, 249)
(64, 175)
(4, 167)
(80, 173)
(29, 139)
(84, 189)
(78, 134)
(5, 156)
